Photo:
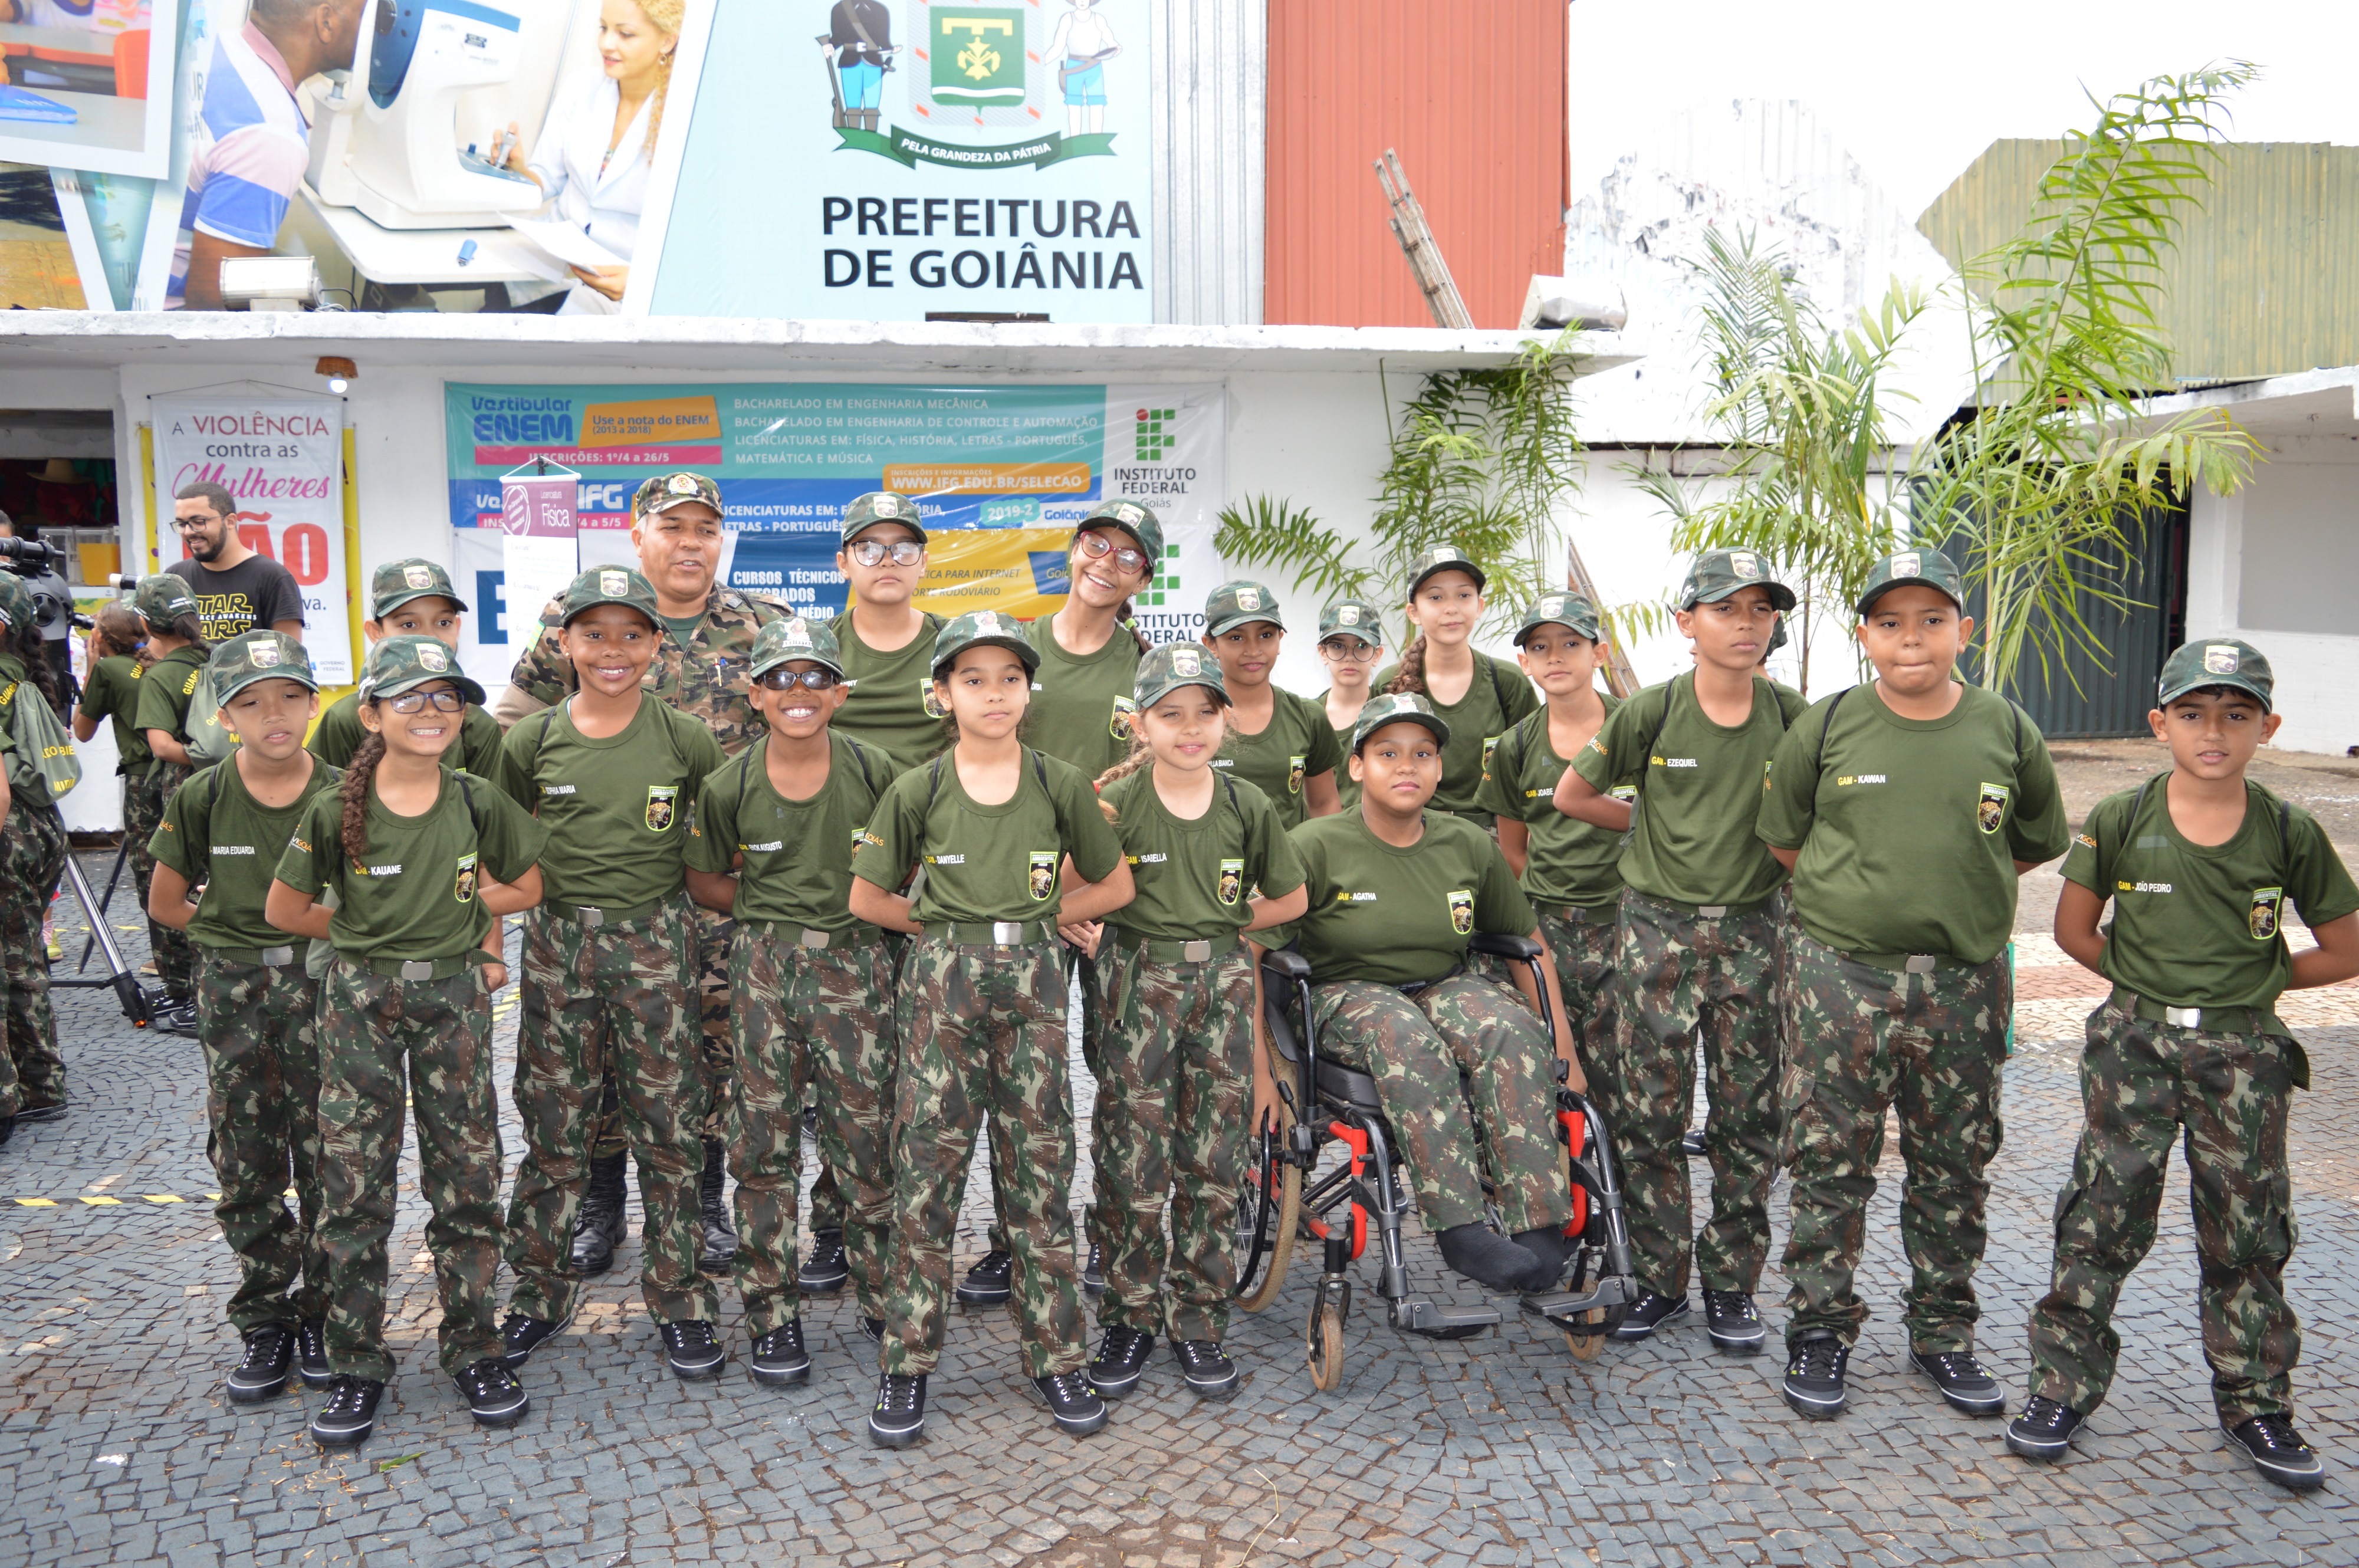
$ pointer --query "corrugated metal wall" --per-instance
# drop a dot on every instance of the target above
(2265, 282)
(1210, 109)
(1473, 97)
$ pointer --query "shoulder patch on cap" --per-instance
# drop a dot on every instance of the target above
(2222, 658)
(1908, 563)
(1744, 563)
(262, 655)
(1349, 616)
(432, 656)
(618, 583)
(1187, 661)
(681, 484)
(417, 576)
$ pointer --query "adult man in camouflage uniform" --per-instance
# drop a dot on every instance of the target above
(704, 670)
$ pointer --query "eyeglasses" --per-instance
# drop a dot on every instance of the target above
(1354, 652)
(445, 701)
(1097, 547)
(872, 552)
(781, 679)
(202, 520)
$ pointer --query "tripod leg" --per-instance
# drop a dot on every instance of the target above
(106, 899)
(127, 985)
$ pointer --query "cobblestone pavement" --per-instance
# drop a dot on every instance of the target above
(117, 1446)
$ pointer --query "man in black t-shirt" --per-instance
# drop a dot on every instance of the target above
(236, 589)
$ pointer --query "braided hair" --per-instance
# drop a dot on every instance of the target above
(1410, 677)
(358, 774)
(1138, 757)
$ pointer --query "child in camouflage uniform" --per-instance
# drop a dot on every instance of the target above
(812, 986)
(411, 598)
(1476, 697)
(982, 1017)
(1351, 639)
(422, 861)
(1177, 995)
(2203, 867)
(256, 1004)
(610, 972)
(1292, 756)
(1906, 809)
(32, 858)
(176, 654)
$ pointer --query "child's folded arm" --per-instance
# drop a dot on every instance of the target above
(2334, 959)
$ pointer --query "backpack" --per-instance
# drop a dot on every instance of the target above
(42, 770)
(209, 737)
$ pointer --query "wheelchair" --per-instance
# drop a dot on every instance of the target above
(1329, 1102)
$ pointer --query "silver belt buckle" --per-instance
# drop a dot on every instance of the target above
(1710, 911)
(1006, 934)
(2183, 1017)
(274, 955)
(813, 938)
(1196, 951)
(588, 915)
(1920, 964)
(416, 969)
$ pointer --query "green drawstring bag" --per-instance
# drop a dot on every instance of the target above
(42, 768)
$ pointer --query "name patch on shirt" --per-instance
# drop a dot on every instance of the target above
(1847, 780)
(1674, 761)
(1148, 859)
(233, 849)
(2143, 887)
(393, 870)
(772, 847)
(556, 788)
(946, 859)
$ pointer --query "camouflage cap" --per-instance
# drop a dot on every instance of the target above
(162, 599)
(882, 506)
(400, 664)
(665, 491)
(981, 627)
(783, 642)
(1398, 707)
(1172, 666)
(396, 583)
(16, 606)
(1132, 519)
(610, 585)
(1570, 611)
(259, 655)
(1352, 618)
(2216, 661)
(1445, 558)
(1717, 573)
(1928, 568)
(1234, 604)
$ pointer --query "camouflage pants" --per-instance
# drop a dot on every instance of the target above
(714, 934)
(1864, 1039)
(1175, 1089)
(809, 1017)
(1429, 1054)
(599, 999)
(144, 799)
(32, 858)
(368, 1024)
(982, 1039)
(259, 1026)
(2140, 1084)
(1677, 973)
(1584, 950)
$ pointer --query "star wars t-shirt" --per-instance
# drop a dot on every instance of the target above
(1196, 878)
(617, 809)
(987, 863)
(1565, 862)
(1296, 746)
(216, 834)
(1398, 916)
(796, 854)
(890, 706)
(256, 591)
(1080, 704)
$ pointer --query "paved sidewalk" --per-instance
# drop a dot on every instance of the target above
(116, 1445)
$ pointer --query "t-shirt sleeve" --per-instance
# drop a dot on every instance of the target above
(1522, 702)
(542, 671)
(2089, 857)
(98, 693)
(508, 838)
(519, 753)
(480, 743)
(2037, 829)
(282, 600)
(1271, 863)
(712, 826)
(160, 702)
(1326, 753)
(2321, 887)
(705, 759)
(1089, 838)
(1497, 793)
(890, 845)
(1499, 904)
(250, 176)
(309, 858)
(1789, 789)
(185, 826)
(1609, 758)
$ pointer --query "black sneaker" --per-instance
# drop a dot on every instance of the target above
(1692, 1144)
(40, 1110)
(780, 1358)
(523, 1335)
(1071, 1400)
(1206, 1366)
(989, 1282)
(1814, 1375)
(261, 1372)
(493, 1395)
(826, 1269)
(175, 1018)
(2279, 1452)
(1733, 1322)
(2044, 1431)
(1122, 1354)
(1649, 1312)
(1961, 1380)
(8, 1128)
(311, 1353)
(1094, 1272)
(692, 1350)
(899, 1417)
(349, 1414)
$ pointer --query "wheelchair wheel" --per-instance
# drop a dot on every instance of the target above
(1327, 1347)
(1269, 1213)
(1587, 1347)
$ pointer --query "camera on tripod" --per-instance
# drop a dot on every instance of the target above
(37, 563)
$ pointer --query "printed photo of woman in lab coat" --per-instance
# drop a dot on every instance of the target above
(594, 151)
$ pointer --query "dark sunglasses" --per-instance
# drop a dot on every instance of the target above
(782, 679)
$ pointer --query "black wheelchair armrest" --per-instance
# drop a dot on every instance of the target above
(1290, 965)
(1518, 949)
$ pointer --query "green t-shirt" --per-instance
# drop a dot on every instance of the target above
(616, 810)
(1909, 829)
(1078, 703)
(886, 708)
(113, 692)
(1496, 700)
(215, 832)
(1347, 788)
(2196, 927)
(1195, 878)
(1698, 791)
(987, 863)
(1296, 746)
(339, 735)
(1565, 862)
(1398, 915)
(798, 853)
(165, 691)
(414, 897)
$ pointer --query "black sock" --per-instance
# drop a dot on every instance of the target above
(1489, 1258)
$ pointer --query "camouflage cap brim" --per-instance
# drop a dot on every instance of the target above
(945, 658)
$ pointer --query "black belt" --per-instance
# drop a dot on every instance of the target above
(2213, 1021)
(992, 933)
(266, 957)
(422, 968)
(1158, 951)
